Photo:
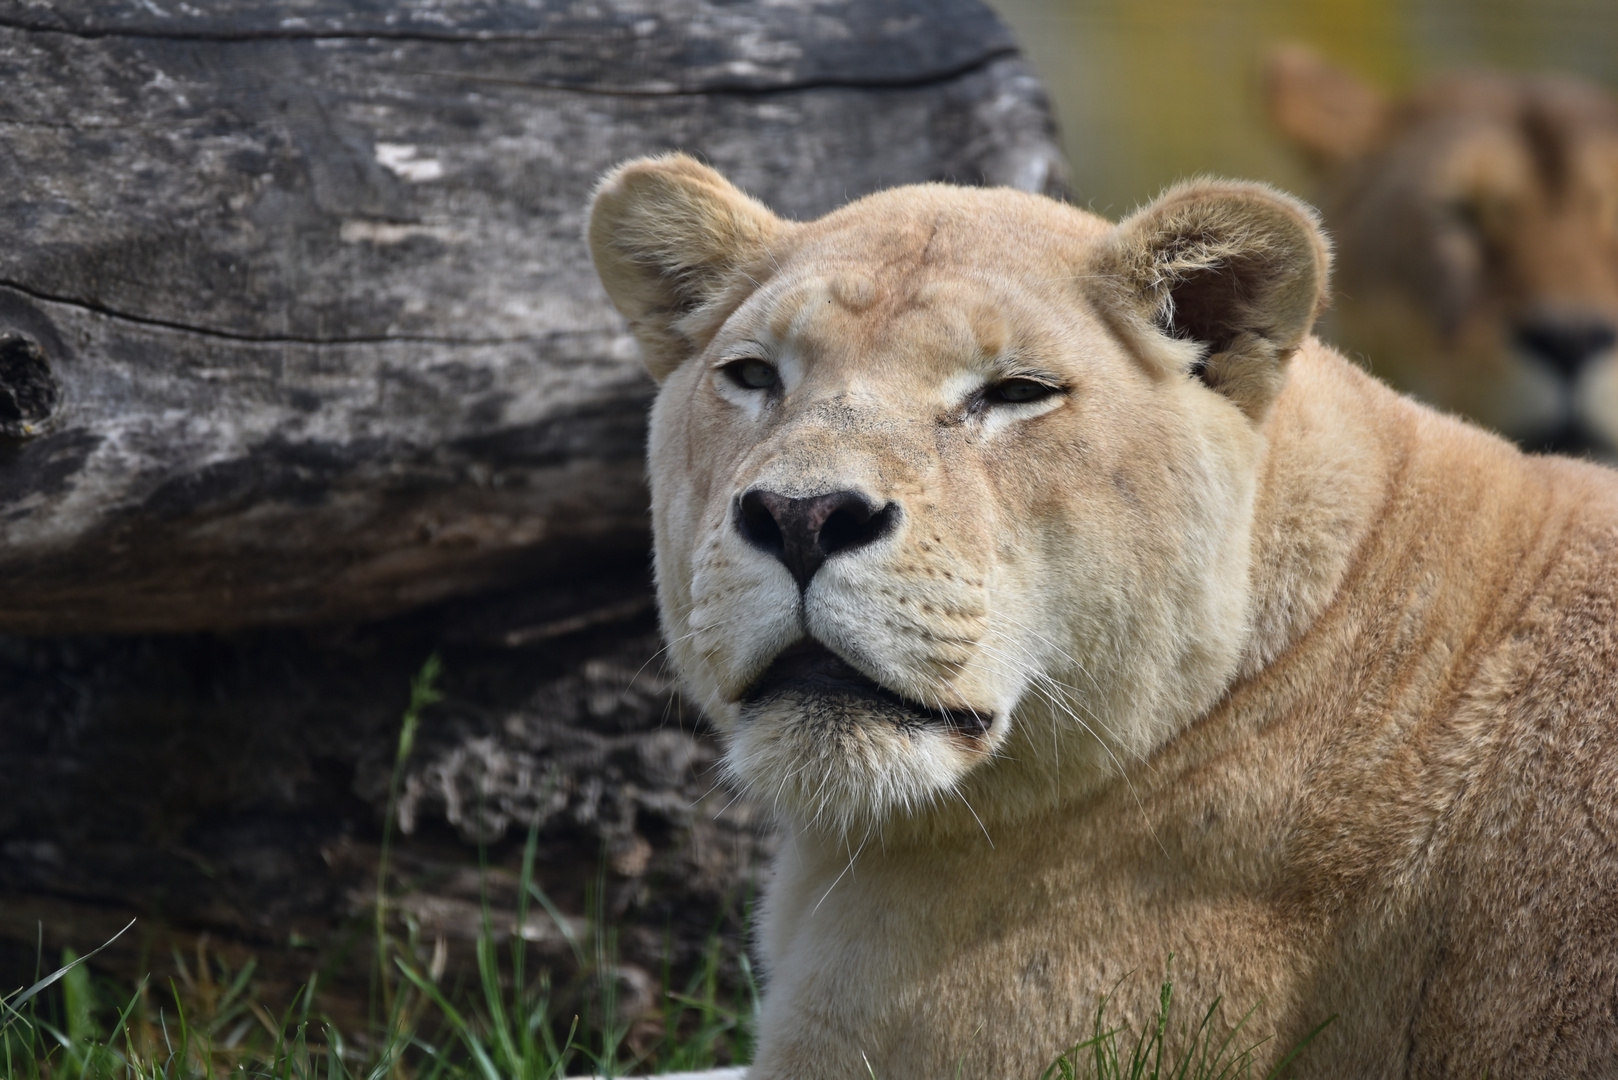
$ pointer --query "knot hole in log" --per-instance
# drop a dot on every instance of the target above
(29, 392)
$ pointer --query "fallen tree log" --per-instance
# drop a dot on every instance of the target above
(296, 324)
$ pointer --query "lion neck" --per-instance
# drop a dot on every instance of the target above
(1365, 493)
(1336, 442)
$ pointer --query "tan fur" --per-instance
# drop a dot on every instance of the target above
(1289, 676)
(1467, 212)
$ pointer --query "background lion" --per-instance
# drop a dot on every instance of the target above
(1074, 608)
(1476, 222)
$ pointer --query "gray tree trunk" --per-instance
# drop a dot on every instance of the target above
(296, 324)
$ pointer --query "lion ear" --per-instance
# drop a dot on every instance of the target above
(1224, 280)
(678, 247)
(1329, 114)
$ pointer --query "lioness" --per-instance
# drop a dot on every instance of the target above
(1074, 607)
(1477, 234)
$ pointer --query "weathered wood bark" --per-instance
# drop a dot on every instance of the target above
(296, 324)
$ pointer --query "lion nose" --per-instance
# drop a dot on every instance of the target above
(1567, 344)
(804, 533)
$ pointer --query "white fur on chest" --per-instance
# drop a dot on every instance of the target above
(994, 959)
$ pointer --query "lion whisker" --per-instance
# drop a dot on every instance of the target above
(845, 871)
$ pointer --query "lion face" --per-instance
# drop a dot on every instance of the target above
(952, 489)
(1477, 231)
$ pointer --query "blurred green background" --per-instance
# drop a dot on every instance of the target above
(1148, 92)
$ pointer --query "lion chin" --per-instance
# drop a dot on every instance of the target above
(828, 745)
(1074, 608)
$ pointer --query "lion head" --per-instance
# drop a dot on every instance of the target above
(1476, 222)
(953, 489)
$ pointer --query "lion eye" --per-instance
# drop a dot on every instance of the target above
(1486, 216)
(1019, 391)
(1465, 213)
(751, 373)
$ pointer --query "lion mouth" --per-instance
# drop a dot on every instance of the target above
(810, 670)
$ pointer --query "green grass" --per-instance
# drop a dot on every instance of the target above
(206, 1021)
(1165, 1050)
(208, 1025)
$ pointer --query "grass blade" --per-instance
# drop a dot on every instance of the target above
(30, 993)
(474, 1045)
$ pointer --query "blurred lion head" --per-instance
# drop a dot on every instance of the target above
(1476, 225)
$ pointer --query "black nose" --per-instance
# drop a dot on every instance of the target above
(804, 533)
(1567, 344)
